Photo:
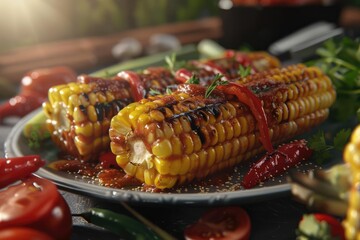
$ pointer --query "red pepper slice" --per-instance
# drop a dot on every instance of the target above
(275, 163)
(253, 102)
(212, 67)
(137, 86)
(241, 58)
(182, 75)
(13, 169)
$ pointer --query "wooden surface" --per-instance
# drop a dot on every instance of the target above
(93, 52)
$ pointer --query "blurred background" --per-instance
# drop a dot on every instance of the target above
(82, 33)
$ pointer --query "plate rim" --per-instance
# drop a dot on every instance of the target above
(116, 195)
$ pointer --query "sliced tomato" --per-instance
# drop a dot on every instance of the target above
(337, 229)
(23, 233)
(221, 223)
(35, 203)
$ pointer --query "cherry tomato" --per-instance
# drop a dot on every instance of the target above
(221, 224)
(17, 233)
(38, 81)
(37, 204)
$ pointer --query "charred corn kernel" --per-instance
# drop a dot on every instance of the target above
(192, 137)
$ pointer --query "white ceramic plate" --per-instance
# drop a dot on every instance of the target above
(16, 145)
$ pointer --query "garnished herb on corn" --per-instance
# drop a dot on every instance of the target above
(170, 140)
(352, 157)
(79, 113)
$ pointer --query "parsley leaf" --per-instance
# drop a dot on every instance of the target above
(216, 82)
(322, 150)
(244, 72)
(193, 80)
(341, 139)
(340, 60)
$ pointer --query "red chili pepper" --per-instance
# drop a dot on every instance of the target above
(137, 86)
(253, 102)
(276, 162)
(13, 169)
(34, 90)
(20, 105)
(182, 75)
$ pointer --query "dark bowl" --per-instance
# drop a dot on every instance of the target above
(258, 27)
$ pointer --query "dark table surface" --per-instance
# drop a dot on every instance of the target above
(274, 218)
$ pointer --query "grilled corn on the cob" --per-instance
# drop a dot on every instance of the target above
(169, 140)
(79, 113)
(352, 157)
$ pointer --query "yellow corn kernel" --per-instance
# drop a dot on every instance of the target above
(244, 125)
(176, 146)
(122, 159)
(162, 166)
(211, 157)
(149, 176)
(139, 174)
(202, 159)
(196, 141)
(168, 131)
(162, 148)
(92, 113)
(185, 165)
(187, 143)
(85, 129)
(130, 169)
(165, 181)
(220, 131)
(194, 160)
(79, 116)
(219, 151)
(175, 166)
(157, 115)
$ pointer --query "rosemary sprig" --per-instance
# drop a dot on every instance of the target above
(216, 82)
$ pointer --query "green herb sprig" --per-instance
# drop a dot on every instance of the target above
(173, 63)
(217, 81)
(340, 60)
(322, 149)
(244, 71)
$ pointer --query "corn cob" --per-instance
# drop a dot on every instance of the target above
(170, 140)
(79, 113)
(352, 157)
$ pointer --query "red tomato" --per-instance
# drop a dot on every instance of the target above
(23, 233)
(37, 204)
(337, 229)
(221, 223)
